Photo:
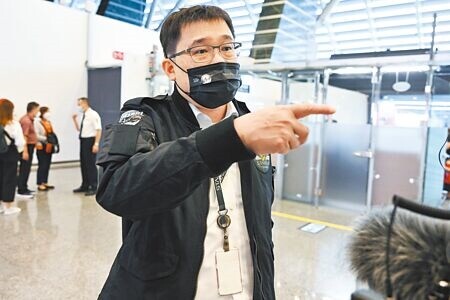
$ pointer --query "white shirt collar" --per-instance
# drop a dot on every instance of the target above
(204, 121)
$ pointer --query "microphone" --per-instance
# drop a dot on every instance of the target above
(421, 209)
(408, 258)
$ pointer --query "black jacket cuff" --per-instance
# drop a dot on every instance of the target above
(220, 146)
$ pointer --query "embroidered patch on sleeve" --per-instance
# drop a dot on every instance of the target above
(131, 117)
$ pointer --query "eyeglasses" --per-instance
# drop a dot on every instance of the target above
(205, 54)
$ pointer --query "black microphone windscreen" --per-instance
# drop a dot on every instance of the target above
(418, 258)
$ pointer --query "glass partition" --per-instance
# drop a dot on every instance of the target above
(298, 178)
(300, 165)
(346, 154)
(413, 111)
(300, 168)
(332, 167)
(434, 173)
(383, 140)
(397, 163)
(433, 188)
(345, 165)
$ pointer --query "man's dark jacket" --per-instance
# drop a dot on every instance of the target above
(156, 166)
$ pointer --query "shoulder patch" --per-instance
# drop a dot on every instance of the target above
(131, 117)
(263, 162)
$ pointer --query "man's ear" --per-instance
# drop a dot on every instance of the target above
(169, 68)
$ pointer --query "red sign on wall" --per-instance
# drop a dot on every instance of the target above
(117, 55)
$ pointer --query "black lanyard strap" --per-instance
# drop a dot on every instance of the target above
(223, 220)
(218, 188)
(219, 193)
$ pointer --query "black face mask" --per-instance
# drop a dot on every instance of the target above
(214, 85)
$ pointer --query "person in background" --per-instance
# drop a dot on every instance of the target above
(89, 127)
(44, 149)
(27, 123)
(8, 161)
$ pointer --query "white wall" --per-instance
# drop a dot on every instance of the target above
(107, 35)
(42, 56)
(263, 92)
(351, 106)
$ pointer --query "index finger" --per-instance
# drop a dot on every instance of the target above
(303, 110)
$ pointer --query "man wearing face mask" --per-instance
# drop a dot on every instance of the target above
(190, 174)
(89, 127)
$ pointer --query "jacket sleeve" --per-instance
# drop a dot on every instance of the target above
(160, 179)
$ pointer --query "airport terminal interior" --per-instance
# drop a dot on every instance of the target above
(384, 65)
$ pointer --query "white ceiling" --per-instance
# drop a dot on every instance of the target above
(332, 27)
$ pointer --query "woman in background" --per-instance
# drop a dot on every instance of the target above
(8, 161)
(44, 151)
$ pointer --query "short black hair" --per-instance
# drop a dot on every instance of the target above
(32, 105)
(85, 99)
(171, 29)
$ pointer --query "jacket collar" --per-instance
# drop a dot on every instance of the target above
(184, 109)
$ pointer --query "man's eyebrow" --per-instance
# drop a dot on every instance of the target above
(201, 41)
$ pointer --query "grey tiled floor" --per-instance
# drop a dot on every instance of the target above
(61, 246)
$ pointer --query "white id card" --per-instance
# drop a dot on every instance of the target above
(228, 269)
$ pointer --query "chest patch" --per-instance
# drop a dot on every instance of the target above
(263, 162)
(131, 117)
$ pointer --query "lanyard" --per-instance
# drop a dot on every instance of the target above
(223, 219)
(218, 188)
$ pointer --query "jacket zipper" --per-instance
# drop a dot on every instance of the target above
(258, 271)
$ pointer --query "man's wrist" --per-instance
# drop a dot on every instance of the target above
(220, 146)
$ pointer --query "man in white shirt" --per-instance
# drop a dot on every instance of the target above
(190, 174)
(89, 129)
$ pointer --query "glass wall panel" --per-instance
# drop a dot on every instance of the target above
(437, 134)
(346, 158)
(403, 103)
(300, 168)
(345, 166)
(397, 163)
(434, 173)
(300, 165)
(346, 140)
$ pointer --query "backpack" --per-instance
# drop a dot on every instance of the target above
(4, 147)
(52, 140)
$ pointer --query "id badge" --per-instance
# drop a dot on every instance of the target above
(228, 269)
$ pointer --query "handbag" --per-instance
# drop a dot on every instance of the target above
(52, 143)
